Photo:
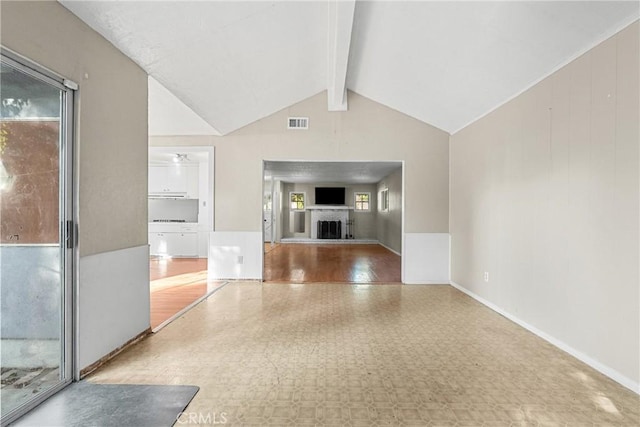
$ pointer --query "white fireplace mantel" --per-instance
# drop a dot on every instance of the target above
(328, 213)
(329, 208)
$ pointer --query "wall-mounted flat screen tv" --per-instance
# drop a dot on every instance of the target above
(330, 195)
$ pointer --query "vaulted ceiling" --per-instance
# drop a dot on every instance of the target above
(445, 63)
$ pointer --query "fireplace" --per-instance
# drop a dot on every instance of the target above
(338, 215)
(329, 230)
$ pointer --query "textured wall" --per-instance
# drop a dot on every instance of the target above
(544, 197)
(368, 131)
(111, 126)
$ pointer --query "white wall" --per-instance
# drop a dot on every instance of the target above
(389, 222)
(114, 306)
(205, 199)
(235, 255)
(368, 131)
(425, 257)
(364, 223)
(111, 108)
(168, 115)
(278, 202)
(111, 142)
(544, 197)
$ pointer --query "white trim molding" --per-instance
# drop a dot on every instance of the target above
(425, 258)
(388, 248)
(113, 301)
(598, 366)
(235, 255)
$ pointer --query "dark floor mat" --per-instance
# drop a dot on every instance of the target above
(86, 404)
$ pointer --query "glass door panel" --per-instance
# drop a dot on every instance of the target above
(34, 259)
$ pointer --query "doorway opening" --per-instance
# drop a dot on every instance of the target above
(327, 221)
(180, 220)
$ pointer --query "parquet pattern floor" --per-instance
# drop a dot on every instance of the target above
(365, 355)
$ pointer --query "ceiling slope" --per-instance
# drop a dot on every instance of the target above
(446, 63)
(449, 63)
(169, 116)
(231, 62)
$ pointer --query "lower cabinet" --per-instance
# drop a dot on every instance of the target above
(174, 244)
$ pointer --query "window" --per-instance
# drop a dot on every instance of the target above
(384, 200)
(267, 203)
(297, 201)
(362, 202)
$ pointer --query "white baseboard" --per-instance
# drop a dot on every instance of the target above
(426, 283)
(388, 248)
(306, 241)
(600, 367)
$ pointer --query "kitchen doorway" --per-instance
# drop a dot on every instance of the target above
(180, 220)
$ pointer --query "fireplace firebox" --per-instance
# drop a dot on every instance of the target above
(329, 229)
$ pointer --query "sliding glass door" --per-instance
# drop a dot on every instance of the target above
(36, 240)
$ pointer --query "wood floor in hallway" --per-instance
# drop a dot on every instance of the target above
(177, 283)
(318, 263)
(159, 267)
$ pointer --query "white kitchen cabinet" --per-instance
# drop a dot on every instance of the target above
(168, 179)
(192, 182)
(157, 244)
(185, 244)
(179, 244)
(174, 179)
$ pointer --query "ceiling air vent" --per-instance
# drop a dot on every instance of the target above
(298, 123)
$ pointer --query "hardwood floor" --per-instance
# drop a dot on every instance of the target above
(177, 283)
(159, 268)
(165, 303)
(268, 247)
(316, 263)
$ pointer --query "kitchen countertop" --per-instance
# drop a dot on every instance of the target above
(173, 222)
(159, 227)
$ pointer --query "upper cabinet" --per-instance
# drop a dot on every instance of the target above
(180, 180)
(193, 184)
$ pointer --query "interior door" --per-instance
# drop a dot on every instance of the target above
(267, 218)
(37, 238)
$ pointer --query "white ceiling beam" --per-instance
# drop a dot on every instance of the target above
(340, 24)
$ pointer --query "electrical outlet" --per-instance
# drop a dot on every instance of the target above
(240, 259)
(486, 276)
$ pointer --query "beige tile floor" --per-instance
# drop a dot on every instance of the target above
(358, 355)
